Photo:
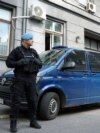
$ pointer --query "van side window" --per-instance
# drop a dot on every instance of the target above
(94, 62)
(79, 58)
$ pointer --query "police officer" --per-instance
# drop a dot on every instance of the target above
(26, 63)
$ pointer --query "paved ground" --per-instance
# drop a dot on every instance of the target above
(75, 120)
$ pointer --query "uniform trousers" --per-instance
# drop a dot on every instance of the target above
(21, 86)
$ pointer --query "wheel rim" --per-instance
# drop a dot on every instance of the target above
(53, 106)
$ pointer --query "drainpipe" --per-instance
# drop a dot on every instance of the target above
(24, 13)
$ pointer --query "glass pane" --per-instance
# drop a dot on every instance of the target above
(50, 57)
(4, 38)
(58, 27)
(99, 46)
(57, 40)
(91, 1)
(95, 62)
(49, 25)
(4, 14)
(87, 43)
(93, 45)
(79, 58)
(83, 2)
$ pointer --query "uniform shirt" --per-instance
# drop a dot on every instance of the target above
(16, 55)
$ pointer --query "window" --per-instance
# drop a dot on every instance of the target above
(92, 44)
(79, 58)
(83, 2)
(5, 22)
(54, 34)
(91, 1)
(94, 62)
(50, 57)
(54, 26)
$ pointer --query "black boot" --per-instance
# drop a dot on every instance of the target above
(34, 124)
(13, 128)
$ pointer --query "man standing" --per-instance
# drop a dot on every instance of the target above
(26, 63)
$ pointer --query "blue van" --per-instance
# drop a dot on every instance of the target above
(69, 77)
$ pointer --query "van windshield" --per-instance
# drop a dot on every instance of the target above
(50, 57)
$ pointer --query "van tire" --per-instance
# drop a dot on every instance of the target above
(49, 106)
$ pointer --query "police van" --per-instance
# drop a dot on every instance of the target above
(69, 77)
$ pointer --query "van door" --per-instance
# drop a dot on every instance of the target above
(74, 79)
(94, 86)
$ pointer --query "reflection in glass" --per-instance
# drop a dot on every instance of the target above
(58, 27)
(57, 40)
(51, 57)
(93, 45)
(54, 26)
(87, 43)
(83, 2)
(49, 24)
(99, 46)
(4, 38)
(5, 14)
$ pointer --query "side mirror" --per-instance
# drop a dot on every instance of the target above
(68, 65)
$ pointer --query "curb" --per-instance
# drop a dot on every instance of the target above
(4, 116)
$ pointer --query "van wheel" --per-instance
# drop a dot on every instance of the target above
(49, 106)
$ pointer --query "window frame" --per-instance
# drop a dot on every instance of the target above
(53, 32)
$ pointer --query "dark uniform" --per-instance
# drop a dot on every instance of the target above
(26, 63)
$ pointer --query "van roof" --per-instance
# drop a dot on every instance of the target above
(65, 47)
(59, 47)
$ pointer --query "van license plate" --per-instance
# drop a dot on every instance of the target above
(1, 101)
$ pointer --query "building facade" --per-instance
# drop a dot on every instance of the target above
(74, 23)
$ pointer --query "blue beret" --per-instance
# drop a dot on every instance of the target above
(26, 36)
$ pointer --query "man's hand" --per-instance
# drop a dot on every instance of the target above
(22, 62)
(37, 61)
